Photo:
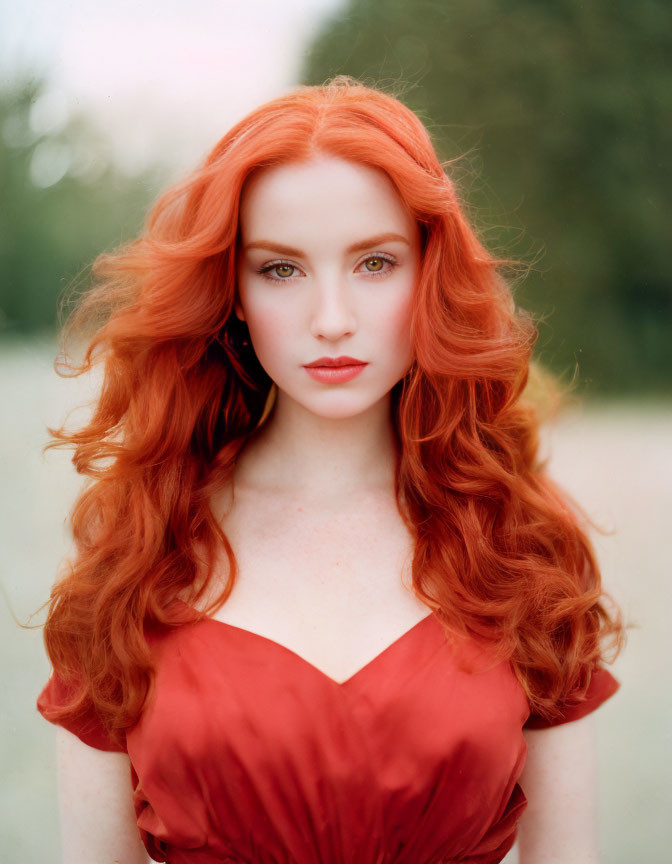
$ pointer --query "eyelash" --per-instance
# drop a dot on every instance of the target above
(263, 271)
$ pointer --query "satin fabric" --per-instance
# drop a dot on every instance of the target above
(248, 753)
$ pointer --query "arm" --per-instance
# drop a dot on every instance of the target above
(98, 823)
(559, 825)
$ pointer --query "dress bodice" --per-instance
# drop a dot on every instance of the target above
(249, 753)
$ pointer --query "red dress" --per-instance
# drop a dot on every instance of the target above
(249, 753)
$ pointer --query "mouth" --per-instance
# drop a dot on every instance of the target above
(332, 362)
(335, 370)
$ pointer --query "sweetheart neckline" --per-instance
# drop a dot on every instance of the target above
(301, 659)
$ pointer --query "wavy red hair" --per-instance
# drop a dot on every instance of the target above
(500, 552)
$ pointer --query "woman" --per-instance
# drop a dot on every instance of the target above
(326, 605)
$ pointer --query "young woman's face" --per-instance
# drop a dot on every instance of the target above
(328, 263)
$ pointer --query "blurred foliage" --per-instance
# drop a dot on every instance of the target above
(560, 111)
(63, 203)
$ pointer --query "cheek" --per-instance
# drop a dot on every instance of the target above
(396, 324)
(270, 332)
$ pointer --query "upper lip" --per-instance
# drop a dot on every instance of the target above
(336, 361)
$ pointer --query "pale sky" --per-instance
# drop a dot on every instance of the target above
(163, 80)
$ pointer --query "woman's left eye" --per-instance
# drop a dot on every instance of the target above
(380, 260)
(378, 269)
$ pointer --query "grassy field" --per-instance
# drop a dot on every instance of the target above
(615, 459)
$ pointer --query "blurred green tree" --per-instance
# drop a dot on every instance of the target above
(63, 202)
(561, 113)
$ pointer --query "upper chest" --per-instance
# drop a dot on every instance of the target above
(329, 580)
(316, 536)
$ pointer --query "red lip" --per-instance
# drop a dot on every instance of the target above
(336, 361)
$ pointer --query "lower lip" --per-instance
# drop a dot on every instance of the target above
(334, 374)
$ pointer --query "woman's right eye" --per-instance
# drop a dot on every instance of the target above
(278, 266)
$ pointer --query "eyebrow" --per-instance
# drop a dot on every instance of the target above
(356, 247)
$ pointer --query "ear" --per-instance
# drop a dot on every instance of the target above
(238, 309)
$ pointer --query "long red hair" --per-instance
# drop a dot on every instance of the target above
(500, 552)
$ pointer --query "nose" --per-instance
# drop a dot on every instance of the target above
(333, 315)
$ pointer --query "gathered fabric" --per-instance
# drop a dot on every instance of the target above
(249, 753)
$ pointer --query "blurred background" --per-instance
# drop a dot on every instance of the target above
(558, 117)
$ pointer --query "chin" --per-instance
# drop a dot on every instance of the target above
(341, 406)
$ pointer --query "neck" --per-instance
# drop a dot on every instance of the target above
(298, 451)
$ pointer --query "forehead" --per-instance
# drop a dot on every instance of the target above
(323, 194)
